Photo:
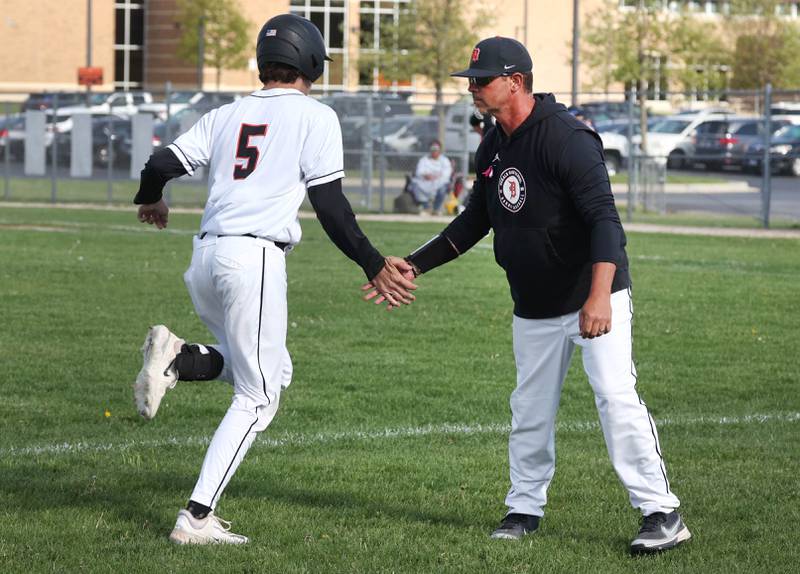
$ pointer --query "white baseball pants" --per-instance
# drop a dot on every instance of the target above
(238, 287)
(542, 350)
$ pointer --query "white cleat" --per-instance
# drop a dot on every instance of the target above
(209, 530)
(158, 371)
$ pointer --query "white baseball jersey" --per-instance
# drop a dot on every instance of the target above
(264, 151)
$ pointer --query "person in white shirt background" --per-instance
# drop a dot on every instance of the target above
(431, 180)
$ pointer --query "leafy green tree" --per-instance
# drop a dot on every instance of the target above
(226, 34)
(701, 58)
(766, 46)
(432, 38)
(620, 47)
(599, 48)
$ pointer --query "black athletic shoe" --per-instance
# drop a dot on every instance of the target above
(660, 531)
(515, 526)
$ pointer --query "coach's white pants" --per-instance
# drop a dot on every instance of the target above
(238, 287)
(542, 350)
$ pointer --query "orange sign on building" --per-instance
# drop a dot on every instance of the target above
(90, 76)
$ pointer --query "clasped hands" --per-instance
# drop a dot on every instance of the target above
(393, 284)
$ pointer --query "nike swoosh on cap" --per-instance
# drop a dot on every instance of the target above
(509, 67)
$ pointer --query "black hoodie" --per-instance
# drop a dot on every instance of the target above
(545, 193)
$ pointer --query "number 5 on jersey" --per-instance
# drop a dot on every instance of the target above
(244, 151)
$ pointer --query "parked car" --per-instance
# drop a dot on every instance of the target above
(13, 133)
(115, 102)
(105, 130)
(46, 100)
(784, 152)
(181, 100)
(404, 138)
(165, 131)
(670, 138)
(724, 143)
(603, 111)
(613, 109)
(616, 151)
(348, 105)
(12, 136)
(614, 134)
(355, 133)
(789, 111)
(59, 121)
(456, 124)
(618, 126)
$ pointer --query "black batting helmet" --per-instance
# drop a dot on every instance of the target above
(292, 40)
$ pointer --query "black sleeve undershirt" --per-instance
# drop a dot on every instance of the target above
(464, 231)
(162, 166)
(337, 219)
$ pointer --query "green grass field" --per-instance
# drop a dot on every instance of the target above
(389, 451)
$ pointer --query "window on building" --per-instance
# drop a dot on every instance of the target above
(658, 84)
(657, 78)
(376, 19)
(128, 44)
(652, 4)
(709, 82)
(788, 9)
(330, 16)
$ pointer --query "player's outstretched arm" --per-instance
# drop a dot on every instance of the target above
(159, 169)
(337, 219)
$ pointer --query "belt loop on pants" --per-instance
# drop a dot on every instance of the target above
(279, 244)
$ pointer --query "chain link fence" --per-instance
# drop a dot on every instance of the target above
(735, 153)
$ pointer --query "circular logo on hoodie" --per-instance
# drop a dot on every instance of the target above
(511, 189)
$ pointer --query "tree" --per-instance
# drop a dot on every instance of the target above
(622, 46)
(432, 38)
(765, 47)
(599, 48)
(702, 55)
(225, 34)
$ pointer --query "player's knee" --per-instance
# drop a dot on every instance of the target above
(198, 363)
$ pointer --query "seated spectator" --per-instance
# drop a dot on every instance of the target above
(431, 181)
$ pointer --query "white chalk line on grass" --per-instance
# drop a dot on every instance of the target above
(310, 439)
(76, 227)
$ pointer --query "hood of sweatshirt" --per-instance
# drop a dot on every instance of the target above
(545, 105)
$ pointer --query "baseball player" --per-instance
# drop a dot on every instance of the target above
(263, 152)
(543, 189)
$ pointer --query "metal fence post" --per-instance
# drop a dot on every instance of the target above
(631, 156)
(53, 153)
(7, 155)
(167, 135)
(384, 159)
(766, 185)
(465, 136)
(110, 154)
(367, 166)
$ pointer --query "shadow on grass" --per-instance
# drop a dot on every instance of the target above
(148, 499)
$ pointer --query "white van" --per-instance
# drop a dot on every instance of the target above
(457, 124)
(789, 111)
